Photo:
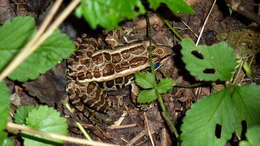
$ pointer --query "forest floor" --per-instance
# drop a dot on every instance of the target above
(49, 88)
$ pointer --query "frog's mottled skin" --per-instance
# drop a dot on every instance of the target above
(245, 42)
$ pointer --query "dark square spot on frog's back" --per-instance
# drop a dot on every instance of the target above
(108, 70)
(125, 54)
(137, 50)
(97, 74)
(116, 58)
(137, 61)
(107, 56)
(81, 75)
(122, 66)
(98, 59)
(110, 84)
(119, 80)
(91, 87)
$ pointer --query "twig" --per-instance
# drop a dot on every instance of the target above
(122, 126)
(120, 120)
(165, 113)
(46, 22)
(205, 22)
(148, 129)
(56, 136)
(189, 28)
(167, 116)
(136, 138)
(32, 46)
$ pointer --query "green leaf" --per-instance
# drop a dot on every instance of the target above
(22, 114)
(165, 85)
(253, 137)
(13, 36)
(45, 119)
(5, 103)
(147, 96)
(145, 80)
(176, 6)
(7, 142)
(56, 48)
(210, 63)
(3, 136)
(14, 33)
(227, 108)
(107, 13)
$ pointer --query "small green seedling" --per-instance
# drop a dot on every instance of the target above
(147, 81)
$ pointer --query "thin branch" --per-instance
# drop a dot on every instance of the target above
(189, 28)
(56, 136)
(167, 116)
(205, 22)
(172, 29)
(148, 129)
(81, 128)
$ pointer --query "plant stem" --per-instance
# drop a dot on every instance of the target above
(167, 116)
(13, 126)
(81, 128)
(165, 113)
(172, 29)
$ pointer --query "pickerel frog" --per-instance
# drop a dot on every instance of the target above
(92, 72)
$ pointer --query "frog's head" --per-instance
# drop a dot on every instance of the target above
(159, 52)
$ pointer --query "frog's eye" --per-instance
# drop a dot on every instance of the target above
(159, 52)
(163, 51)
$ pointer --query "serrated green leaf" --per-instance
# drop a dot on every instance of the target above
(7, 142)
(45, 119)
(5, 103)
(227, 108)
(13, 36)
(145, 80)
(147, 96)
(108, 13)
(253, 137)
(3, 136)
(165, 85)
(78, 12)
(56, 48)
(176, 6)
(22, 113)
(209, 63)
(14, 33)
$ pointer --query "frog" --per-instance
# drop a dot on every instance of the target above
(94, 70)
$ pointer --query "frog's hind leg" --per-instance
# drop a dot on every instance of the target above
(88, 95)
